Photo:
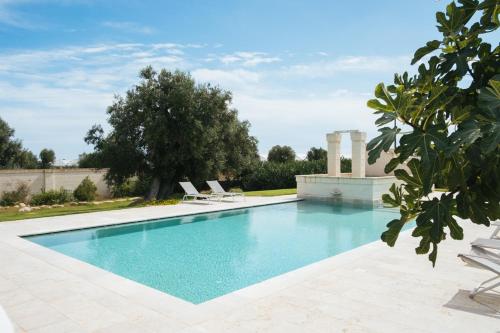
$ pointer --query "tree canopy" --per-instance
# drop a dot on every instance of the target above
(12, 153)
(281, 154)
(452, 110)
(168, 128)
(315, 154)
(91, 160)
(47, 158)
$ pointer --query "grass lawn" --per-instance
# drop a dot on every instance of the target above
(12, 214)
(271, 193)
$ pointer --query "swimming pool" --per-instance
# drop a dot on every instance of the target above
(200, 257)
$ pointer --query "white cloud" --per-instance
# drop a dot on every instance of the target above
(248, 58)
(128, 26)
(8, 16)
(226, 78)
(349, 64)
(12, 16)
(302, 122)
(59, 93)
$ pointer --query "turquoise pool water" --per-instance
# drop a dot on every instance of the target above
(201, 257)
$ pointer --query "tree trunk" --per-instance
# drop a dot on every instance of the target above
(154, 189)
(166, 189)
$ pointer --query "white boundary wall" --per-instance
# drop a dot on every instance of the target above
(53, 179)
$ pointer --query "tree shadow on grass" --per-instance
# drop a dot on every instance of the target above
(487, 304)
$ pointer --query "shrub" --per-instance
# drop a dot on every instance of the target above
(20, 194)
(271, 175)
(132, 187)
(345, 164)
(51, 197)
(86, 191)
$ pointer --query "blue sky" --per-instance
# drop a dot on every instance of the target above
(297, 69)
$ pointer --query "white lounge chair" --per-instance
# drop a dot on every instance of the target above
(5, 323)
(488, 243)
(496, 232)
(192, 192)
(487, 263)
(484, 252)
(217, 189)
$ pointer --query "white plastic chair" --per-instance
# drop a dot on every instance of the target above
(217, 189)
(192, 192)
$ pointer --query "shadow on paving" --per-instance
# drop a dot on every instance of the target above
(487, 304)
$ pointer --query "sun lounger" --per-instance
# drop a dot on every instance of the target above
(486, 263)
(5, 323)
(484, 252)
(192, 192)
(217, 189)
(496, 232)
(489, 243)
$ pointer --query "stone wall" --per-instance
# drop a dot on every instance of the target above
(53, 179)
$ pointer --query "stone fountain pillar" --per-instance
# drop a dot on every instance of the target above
(347, 189)
(333, 157)
(358, 141)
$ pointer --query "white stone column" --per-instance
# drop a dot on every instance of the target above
(358, 141)
(333, 156)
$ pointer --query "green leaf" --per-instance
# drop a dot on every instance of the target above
(433, 254)
(491, 134)
(467, 133)
(454, 22)
(422, 142)
(409, 180)
(383, 142)
(395, 199)
(456, 231)
(489, 99)
(377, 105)
(423, 51)
(424, 246)
(393, 164)
(438, 213)
(394, 227)
(478, 214)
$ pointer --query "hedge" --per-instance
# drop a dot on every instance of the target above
(272, 175)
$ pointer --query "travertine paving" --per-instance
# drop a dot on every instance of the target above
(373, 288)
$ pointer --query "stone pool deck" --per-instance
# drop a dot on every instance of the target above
(372, 288)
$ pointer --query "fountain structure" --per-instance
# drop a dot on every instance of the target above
(364, 186)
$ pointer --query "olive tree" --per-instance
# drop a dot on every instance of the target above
(316, 154)
(281, 154)
(12, 153)
(447, 119)
(47, 158)
(168, 128)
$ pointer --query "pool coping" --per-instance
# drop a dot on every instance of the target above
(153, 219)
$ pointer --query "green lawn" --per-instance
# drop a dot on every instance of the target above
(12, 214)
(271, 193)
